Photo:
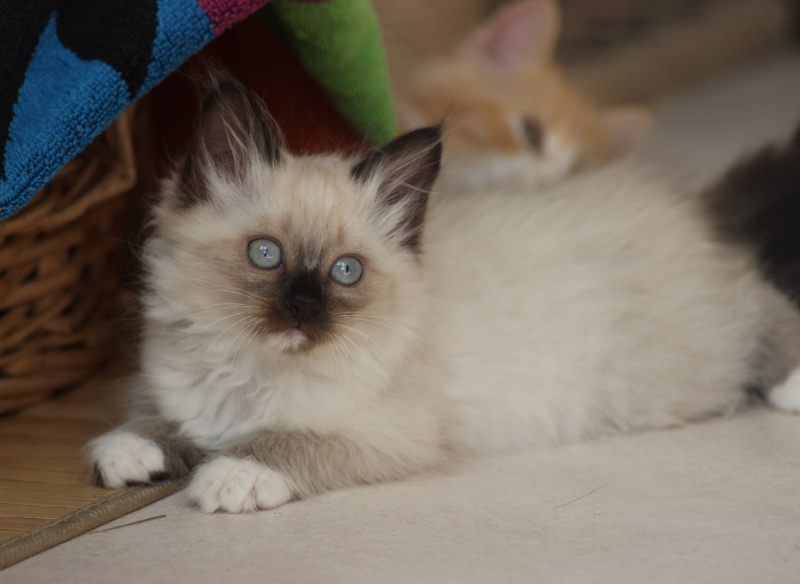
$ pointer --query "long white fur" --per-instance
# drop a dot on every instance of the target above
(786, 396)
(237, 486)
(527, 321)
(124, 457)
(203, 369)
(601, 307)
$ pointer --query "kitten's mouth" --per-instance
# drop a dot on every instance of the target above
(293, 339)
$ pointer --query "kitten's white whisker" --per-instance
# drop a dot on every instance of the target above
(336, 362)
(212, 343)
(341, 374)
(412, 339)
(370, 362)
(363, 334)
(371, 321)
(208, 308)
(249, 323)
(245, 293)
(251, 327)
(369, 315)
(348, 387)
(195, 334)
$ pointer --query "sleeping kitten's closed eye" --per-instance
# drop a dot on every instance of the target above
(534, 134)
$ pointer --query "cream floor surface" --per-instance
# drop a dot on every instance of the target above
(717, 502)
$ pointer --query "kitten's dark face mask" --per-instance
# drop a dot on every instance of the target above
(299, 287)
(300, 305)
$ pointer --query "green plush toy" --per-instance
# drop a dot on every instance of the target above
(339, 42)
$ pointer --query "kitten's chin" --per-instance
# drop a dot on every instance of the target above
(291, 340)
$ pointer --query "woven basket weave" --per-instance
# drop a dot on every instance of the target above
(59, 272)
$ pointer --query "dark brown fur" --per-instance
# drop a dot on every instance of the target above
(757, 204)
(270, 293)
(394, 160)
(224, 110)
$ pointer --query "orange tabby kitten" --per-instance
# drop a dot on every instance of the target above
(510, 113)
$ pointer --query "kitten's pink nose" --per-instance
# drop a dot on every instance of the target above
(303, 307)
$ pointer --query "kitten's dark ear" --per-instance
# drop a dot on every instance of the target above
(232, 127)
(405, 170)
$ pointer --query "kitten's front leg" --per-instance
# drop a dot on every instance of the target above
(141, 452)
(277, 467)
(238, 485)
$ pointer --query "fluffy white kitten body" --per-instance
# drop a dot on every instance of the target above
(576, 316)
(507, 322)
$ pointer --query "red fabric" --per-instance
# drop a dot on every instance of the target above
(262, 61)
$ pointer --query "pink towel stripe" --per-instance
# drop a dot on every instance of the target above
(224, 13)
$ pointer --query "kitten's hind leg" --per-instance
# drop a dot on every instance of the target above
(786, 396)
(782, 375)
(140, 452)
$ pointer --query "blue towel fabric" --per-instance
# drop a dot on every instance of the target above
(70, 67)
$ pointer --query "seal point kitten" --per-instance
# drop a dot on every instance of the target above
(316, 322)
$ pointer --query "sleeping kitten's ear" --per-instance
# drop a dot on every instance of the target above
(405, 170)
(518, 35)
(624, 128)
(232, 133)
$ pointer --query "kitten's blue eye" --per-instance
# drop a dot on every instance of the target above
(264, 254)
(346, 271)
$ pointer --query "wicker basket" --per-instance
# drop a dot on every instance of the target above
(59, 272)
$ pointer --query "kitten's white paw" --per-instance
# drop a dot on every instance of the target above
(237, 486)
(122, 457)
(787, 395)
